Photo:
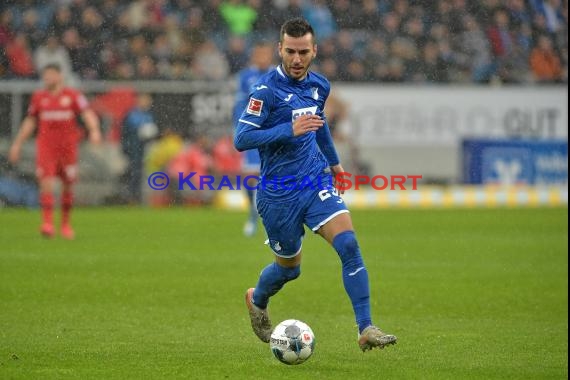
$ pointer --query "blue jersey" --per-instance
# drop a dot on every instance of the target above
(266, 124)
(246, 78)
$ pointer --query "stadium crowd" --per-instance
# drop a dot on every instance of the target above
(420, 41)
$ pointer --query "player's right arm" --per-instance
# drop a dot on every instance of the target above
(26, 130)
(250, 133)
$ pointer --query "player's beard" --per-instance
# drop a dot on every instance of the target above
(298, 74)
(53, 87)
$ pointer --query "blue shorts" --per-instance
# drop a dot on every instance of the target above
(251, 161)
(283, 220)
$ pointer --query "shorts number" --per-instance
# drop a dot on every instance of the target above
(327, 193)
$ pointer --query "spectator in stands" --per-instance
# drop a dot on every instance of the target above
(238, 16)
(179, 71)
(19, 57)
(209, 63)
(138, 129)
(146, 68)
(431, 68)
(90, 27)
(475, 51)
(368, 17)
(329, 68)
(391, 27)
(226, 160)
(163, 151)
(395, 72)
(345, 53)
(376, 58)
(172, 31)
(124, 71)
(196, 26)
(321, 18)
(344, 13)
(414, 30)
(284, 10)
(502, 42)
(458, 12)
(62, 21)
(519, 12)
(137, 48)
(75, 46)
(195, 158)
(6, 29)
(161, 49)
(51, 52)
(552, 12)
(31, 28)
(545, 63)
(484, 10)
(236, 54)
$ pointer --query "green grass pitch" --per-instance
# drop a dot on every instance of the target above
(477, 294)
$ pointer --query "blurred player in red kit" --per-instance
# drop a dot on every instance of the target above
(54, 110)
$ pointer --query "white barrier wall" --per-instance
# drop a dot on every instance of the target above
(418, 130)
(399, 129)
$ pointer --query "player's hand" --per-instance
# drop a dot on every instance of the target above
(14, 153)
(95, 137)
(335, 171)
(307, 123)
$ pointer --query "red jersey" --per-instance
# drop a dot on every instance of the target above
(56, 115)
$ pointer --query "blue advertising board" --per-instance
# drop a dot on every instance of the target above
(512, 162)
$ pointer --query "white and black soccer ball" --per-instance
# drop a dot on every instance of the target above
(292, 342)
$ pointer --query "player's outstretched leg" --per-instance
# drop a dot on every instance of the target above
(250, 227)
(355, 279)
(66, 206)
(272, 279)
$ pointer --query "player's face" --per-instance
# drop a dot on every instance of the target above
(297, 54)
(52, 78)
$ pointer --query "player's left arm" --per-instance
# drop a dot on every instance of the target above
(89, 117)
(92, 124)
(327, 147)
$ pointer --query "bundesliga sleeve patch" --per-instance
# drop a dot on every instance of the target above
(254, 107)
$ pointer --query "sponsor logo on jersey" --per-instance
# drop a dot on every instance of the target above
(254, 107)
(288, 97)
(304, 111)
(261, 87)
(57, 115)
(65, 101)
(315, 93)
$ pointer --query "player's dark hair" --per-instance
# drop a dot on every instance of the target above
(52, 66)
(297, 27)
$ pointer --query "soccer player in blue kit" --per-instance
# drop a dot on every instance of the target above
(261, 62)
(284, 120)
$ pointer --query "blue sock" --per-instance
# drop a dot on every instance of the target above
(272, 279)
(252, 208)
(354, 276)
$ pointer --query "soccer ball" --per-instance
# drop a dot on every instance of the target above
(292, 342)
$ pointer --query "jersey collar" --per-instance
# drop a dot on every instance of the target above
(282, 73)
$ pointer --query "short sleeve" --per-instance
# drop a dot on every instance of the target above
(80, 102)
(33, 107)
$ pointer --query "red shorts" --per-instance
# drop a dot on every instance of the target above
(57, 161)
